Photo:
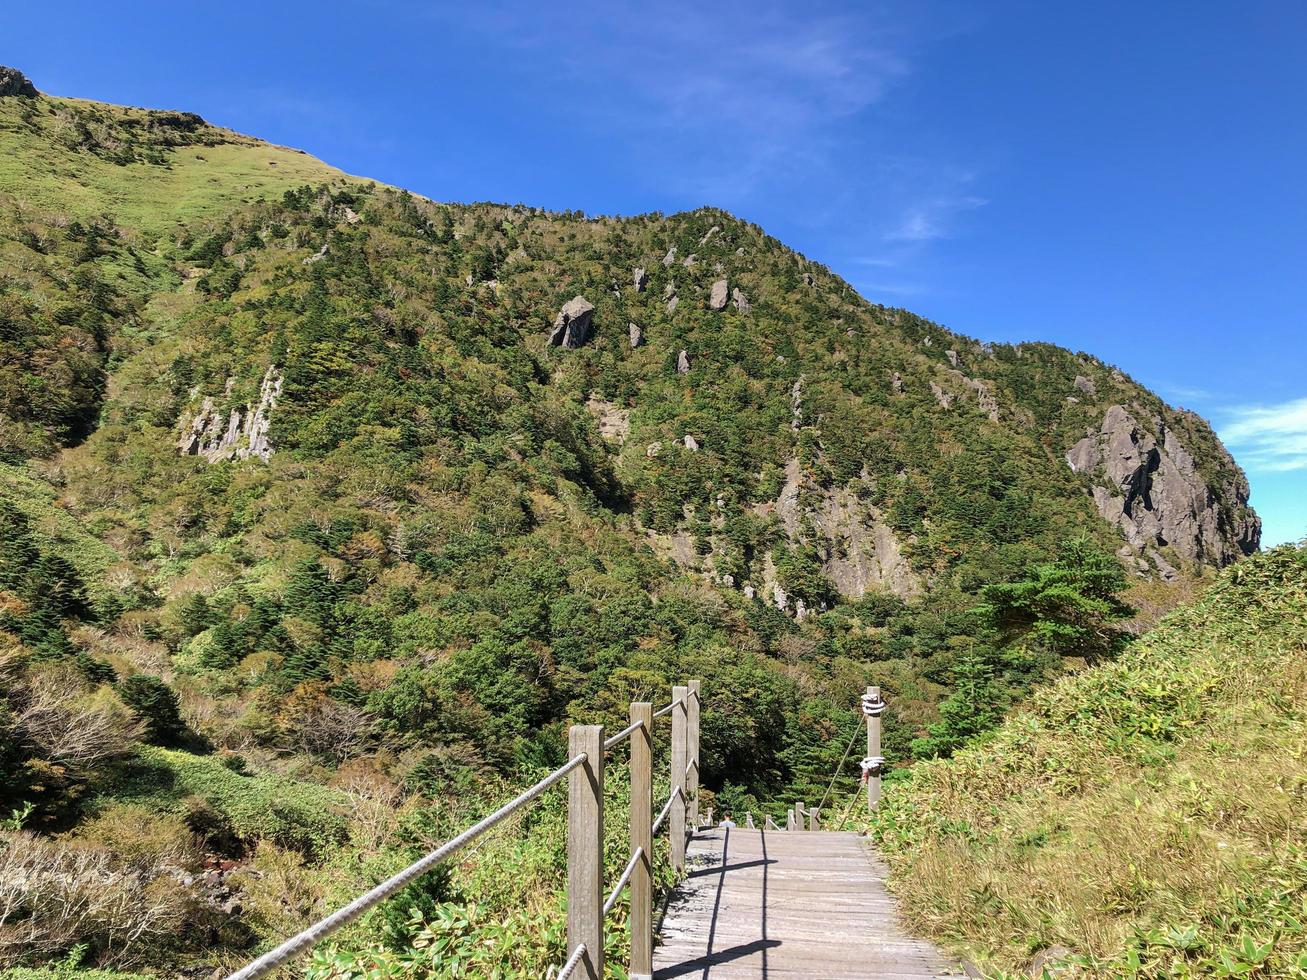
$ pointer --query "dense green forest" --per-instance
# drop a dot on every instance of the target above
(313, 542)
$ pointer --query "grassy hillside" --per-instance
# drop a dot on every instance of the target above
(1143, 818)
(148, 170)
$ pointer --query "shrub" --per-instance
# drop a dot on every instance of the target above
(56, 894)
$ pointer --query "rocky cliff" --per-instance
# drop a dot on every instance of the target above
(1146, 483)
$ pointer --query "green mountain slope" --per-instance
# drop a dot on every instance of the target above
(1143, 818)
(319, 482)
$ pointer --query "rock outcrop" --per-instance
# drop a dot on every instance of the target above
(670, 257)
(740, 301)
(572, 325)
(683, 362)
(673, 303)
(636, 334)
(717, 298)
(641, 279)
(238, 435)
(14, 83)
(1147, 484)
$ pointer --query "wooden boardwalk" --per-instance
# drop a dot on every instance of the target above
(787, 904)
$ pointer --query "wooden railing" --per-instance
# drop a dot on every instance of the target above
(587, 905)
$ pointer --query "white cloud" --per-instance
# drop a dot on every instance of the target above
(1270, 438)
(932, 219)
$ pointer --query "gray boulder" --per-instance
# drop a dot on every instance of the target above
(741, 303)
(670, 257)
(572, 325)
(641, 279)
(683, 362)
(672, 303)
(636, 334)
(717, 299)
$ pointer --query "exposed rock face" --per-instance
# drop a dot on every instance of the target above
(683, 363)
(1085, 385)
(641, 279)
(944, 398)
(952, 356)
(636, 335)
(860, 551)
(239, 436)
(673, 303)
(572, 325)
(691, 443)
(321, 254)
(1156, 496)
(711, 231)
(670, 257)
(717, 299)
(669, 290)
(808, 280)
(14, 82)
(896, 382)
(689, 260)
(614, 422)
(740, 301)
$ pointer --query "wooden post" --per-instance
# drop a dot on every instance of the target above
(642, 837)
(813, 823)
(770, 824)
(789, 819)
(872, 698)
(692, 739)
(799, 821)
(748, 820)
(676, 819)
(585, 850)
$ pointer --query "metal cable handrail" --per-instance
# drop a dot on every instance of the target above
(623, 735)
(622, 880)
(314, 934)
(666, 708)
(572, 961)
(667, 808)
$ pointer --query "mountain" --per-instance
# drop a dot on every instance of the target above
(1142, 818)
(317, 490)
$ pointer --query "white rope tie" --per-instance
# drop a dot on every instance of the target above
(872, 765)
(872, 707)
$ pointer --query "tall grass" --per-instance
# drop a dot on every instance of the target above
(1143, 818)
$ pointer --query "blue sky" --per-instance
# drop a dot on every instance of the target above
(1122, 178)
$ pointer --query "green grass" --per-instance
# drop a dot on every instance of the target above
(56, 529)
(263, 805)
(1148, 817)
(42, 160)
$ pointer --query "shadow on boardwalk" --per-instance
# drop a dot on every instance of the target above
(786, 904)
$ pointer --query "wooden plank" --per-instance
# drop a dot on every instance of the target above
(585, 850)
(762, 904)
(692, 753)
(680, 749)
(642, 838)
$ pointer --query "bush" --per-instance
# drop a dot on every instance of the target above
(56, 894)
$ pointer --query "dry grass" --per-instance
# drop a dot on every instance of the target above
(1132, 803)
